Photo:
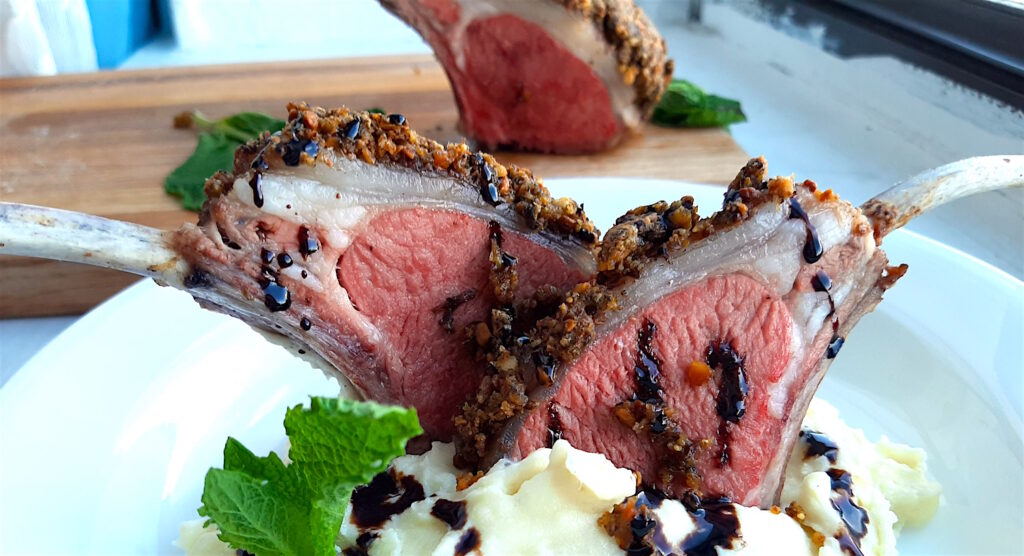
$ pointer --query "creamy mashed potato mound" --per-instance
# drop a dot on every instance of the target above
(550, 503)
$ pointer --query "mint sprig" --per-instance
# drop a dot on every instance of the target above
(215, 150)
(687, 105)
(268, 508)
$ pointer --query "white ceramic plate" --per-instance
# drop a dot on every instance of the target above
(106, 434)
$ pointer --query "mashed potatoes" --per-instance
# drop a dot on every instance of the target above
(551, 501)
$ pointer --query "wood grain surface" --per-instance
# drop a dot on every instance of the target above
(103, 143)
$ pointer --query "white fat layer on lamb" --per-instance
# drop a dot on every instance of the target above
(578, 35)
(768, 245)
(810, 312)
(337, 200)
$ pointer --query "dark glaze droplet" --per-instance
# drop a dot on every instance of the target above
(554, 425)
(305, 324)
(385, 496)
(508, 260)
(821, 282)
(262, 230)
(488, 190)
(291, 152)
(469, 542)
(453, 513)
(716, 526)
(304, 274)
(447, 320)
(227, 241)
(284, 260)
(307, 244)
(855, 519)
(546, 365)
(198, 278)
(266, 256)
(362, 546)
(647, 367)
(276, 297)
(819, 445)
(834, 346)
(256, 183)
(494, 229)
(812, 247)
(260, 164)
(648, 537)
(351, 129)
(732, 393)
(730, 196)
(586, 236)
(396, 119)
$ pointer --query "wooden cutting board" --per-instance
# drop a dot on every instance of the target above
(103, 143)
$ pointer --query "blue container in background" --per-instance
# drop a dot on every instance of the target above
(119, 28)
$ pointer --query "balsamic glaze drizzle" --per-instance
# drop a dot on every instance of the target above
(819, 445)
(469, 542)
(732, 392)
(275, 296)
(822, 283)
(198, 278)
(256, 183)
(266, 256)
(307, 243)
(717, 526)
(647, 367)
(855, 519)
(387, 495)
(812, 247)
(488, 189)
(451, 512)
(447, 309)
(554, 425)
(648, 537)
(362, 546)
(351, 129)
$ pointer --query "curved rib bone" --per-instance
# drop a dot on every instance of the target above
(896, 206)
(64, 235)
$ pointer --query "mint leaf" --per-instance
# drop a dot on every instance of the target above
(346, 439)
(215, 151)
(252, 515)
(687, 105)
(267, 508)
(246, 126)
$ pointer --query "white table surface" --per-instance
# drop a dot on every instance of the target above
(856, 125)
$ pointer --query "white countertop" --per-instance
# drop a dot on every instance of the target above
(856, 125)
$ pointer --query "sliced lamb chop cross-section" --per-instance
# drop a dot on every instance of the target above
(356, 239)
(565, 76)
(715, 338)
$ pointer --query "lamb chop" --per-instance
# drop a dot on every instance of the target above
(364, 244)
(713, 333)
(566, 76)
(354, 237)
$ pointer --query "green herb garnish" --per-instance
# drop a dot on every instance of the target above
(268, 508)
(687, 105)
(215, 151)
